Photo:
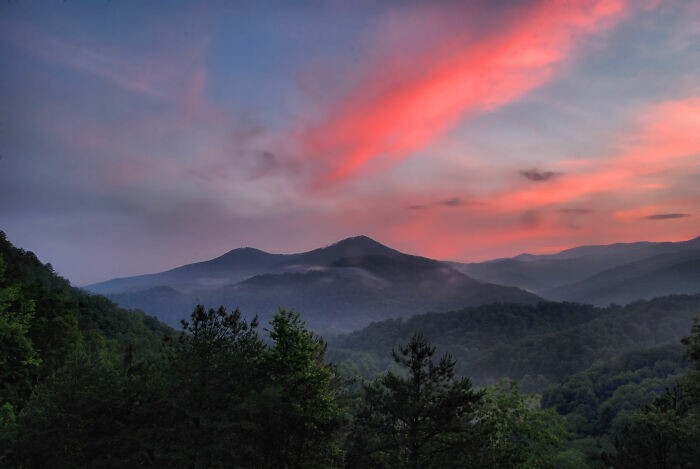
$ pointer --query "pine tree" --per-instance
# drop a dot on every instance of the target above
(302, 398)
(420, 418)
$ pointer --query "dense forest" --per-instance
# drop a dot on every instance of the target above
(538, 345)
(84, 383)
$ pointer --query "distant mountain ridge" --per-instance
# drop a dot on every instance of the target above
(358, 280)
(342, 286)
(536, 344)
(240, 264)
(615, 273)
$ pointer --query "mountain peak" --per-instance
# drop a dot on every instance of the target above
(356, 246)
(359, 241)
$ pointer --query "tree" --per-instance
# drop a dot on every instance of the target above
(79, 416)
(657, 437)
(19, 361)
(665, 433)
(302, 398)
(691, 382)
(515, 432)
(204, 402)
(419, 418)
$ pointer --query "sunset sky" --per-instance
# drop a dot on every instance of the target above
(140, 136)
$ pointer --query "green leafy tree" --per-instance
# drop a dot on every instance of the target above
(80, 416)
(665, 434)
(421, 417)
(657, 437)
(515, 432)
(691, 382)
(19, 361)
(302, 397)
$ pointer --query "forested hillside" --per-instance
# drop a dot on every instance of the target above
(86, 384)
(535, 344)
(46, 322)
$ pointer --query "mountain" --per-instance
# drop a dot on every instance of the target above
(644, 279)
(46, 323)
(240, 264)
(235, 265)
(338, 288)
(538, 344)
(598, 274)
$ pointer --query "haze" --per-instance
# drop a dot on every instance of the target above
(137, 137)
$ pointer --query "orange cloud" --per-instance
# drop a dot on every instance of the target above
(629, 195)
(666, 140)
(396, 111)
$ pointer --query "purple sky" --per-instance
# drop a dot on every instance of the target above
(139, 136)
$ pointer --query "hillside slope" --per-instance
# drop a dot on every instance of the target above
(338, 288)
(537, 344)
(555, 276)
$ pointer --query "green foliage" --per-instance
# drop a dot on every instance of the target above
(47, 328)
(658, 436)
(19, 361)
(420, 418)
(202, 396)
(638, 410)
(84, 383)
(692, 343)
(302, 411)
(516, 432)
(600, 401)
(538, 345)
(665, 434)
(690, 384)
(80, 416)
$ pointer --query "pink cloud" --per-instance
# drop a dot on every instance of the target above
(631, 194)
(666, 139)
(397, 110)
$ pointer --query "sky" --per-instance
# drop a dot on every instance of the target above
(139, 136)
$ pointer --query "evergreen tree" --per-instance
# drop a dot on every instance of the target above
(419, 418)
(302, 399)
(204, 402)
(80, 416)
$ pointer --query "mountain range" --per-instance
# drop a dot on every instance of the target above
(356, 281)
(599, 275)
(340, 287)
(538, 345)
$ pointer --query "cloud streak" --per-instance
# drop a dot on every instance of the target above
(664, 141)
(451, 202)
(666, 216)
(575, 211)
(537, 175)
(395, 112)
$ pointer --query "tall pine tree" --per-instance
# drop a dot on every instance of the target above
(418, 418)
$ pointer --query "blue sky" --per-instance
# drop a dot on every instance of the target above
(138, 136)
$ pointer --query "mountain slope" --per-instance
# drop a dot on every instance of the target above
(543, 274)
(655, 276)
(352, 292)
(338, 287)
(233, 266)
(537, 344)
(45, 323)
(240, 264)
